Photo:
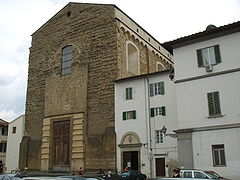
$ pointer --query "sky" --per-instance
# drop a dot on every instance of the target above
(165, 20)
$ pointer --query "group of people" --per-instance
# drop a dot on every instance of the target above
(105, 175)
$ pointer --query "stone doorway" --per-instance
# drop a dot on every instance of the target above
(61, 137)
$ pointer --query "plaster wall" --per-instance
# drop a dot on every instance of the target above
(202, 151)
(13, 143)
(185, 58)
(145, 126)
(192, 101)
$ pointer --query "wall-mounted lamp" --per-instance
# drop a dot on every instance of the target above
(145, 144)
(171, 74)
(164, 131)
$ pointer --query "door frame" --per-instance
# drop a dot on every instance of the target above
(51, 163)
(156, 166)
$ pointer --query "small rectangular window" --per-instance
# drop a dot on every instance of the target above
(129, 115)
(129, 93)
(218, 155)
(158, 111)
(214, 104)
(158, 136)
(14, 130)
(157, 89)
(208, 56)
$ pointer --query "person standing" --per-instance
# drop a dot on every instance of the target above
(80, 171)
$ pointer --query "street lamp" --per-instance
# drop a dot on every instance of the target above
(164, 131)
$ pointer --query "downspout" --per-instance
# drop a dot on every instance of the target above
(150, 128)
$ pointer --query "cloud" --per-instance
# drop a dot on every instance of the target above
(6, 114)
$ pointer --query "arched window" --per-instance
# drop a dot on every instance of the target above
(132, 58)
(67, 54)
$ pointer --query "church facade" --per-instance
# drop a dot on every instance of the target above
(75, 58)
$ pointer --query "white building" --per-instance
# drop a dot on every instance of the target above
(143, 105)
(3, 144)
(207, 78)
(15, 134)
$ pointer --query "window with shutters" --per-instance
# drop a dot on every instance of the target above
(218, 153)
(158, 111)
(158, 136)
(208, 56)
(129, 115)
(214, 104)
(129, 93)
(157, 89)
(67, 54)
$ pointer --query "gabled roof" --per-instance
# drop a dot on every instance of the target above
(202, 36)
(69, 5)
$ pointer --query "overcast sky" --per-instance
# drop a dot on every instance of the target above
(164, 19)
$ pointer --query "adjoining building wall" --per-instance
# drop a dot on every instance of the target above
(139, 134)
(15, 134)
(202, 152)
(212, 144)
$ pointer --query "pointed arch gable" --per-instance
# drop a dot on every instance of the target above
(132, 58)
(159, 66)
(130, 138)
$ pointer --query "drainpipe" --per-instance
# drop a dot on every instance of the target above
(150, 128)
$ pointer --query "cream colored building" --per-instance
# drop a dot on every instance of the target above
(15, 134)
(143, 106)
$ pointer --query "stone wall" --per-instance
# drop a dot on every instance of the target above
(89, 88)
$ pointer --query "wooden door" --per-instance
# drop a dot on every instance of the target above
(61, 136)
(130, 159)
(160, 166)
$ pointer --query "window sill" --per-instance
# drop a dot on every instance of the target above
(215, 116)
(219, 165)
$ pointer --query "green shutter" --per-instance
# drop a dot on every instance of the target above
(214, 104)
(124, 115)
(126, 93)
(134, 114)
(163, 109)
(152, 112)
(130, 93)
(210, 104)
(217, 103)
(151, 90)
(217, 54)
(199, 57)
(162, 92)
